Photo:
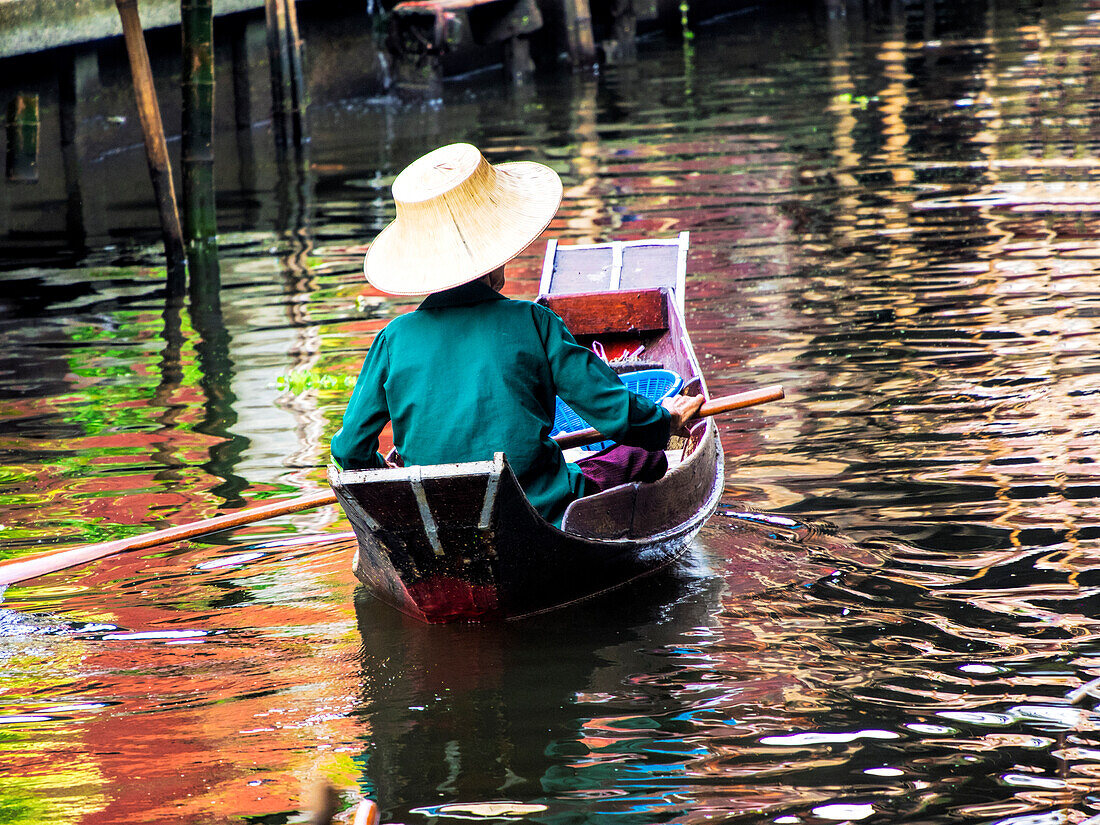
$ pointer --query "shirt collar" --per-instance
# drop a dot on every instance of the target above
(474, 292)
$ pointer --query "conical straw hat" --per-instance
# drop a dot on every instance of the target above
(458, 218)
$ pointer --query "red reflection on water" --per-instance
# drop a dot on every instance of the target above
(204, 726)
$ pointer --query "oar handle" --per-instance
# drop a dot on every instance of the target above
(748, 398)
(725, 403)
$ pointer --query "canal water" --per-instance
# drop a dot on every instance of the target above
(896, 215)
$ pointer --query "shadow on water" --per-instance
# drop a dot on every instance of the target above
(212, 349)
(485, 713)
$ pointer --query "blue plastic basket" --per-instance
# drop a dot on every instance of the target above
(653, 384)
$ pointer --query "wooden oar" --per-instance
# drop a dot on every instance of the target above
(30, 567)
(18, 570)
(726, 403)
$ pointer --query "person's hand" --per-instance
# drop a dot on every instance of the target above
(683, 409)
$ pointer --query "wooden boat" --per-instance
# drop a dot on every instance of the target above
(460, 542)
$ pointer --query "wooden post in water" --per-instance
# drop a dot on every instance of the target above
(578, 33)
(242, 78)
(77, 87)
(284, 46)
(245, 42)
(23, 139)
(68, 96)
(622, 46)
(156, 148)
(297, 80)
(199, 215)
(279, 62)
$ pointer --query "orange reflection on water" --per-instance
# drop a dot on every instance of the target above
(203, 716)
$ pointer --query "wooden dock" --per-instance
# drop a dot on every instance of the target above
(29, 26)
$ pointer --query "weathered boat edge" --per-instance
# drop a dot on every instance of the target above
(680, 539)
(517, 564)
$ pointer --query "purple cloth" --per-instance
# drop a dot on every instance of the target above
(620, 464)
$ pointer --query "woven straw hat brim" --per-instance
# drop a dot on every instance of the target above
(441, 243)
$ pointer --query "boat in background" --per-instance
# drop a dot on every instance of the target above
(460, 542)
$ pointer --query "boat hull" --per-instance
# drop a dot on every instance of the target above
(460, 542)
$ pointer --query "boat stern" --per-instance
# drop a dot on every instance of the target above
(426, 537)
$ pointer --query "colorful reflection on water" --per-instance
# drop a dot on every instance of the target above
(895, 217)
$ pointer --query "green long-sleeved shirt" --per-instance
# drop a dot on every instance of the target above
(470, 373)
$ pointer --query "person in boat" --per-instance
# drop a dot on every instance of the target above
(470, 372)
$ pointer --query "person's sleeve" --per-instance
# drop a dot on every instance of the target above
(596, 393)
(355, 445)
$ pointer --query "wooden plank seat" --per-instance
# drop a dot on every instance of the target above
(594, 313)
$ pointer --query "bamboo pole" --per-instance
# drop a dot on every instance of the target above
(156, 148)
(200, 220)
